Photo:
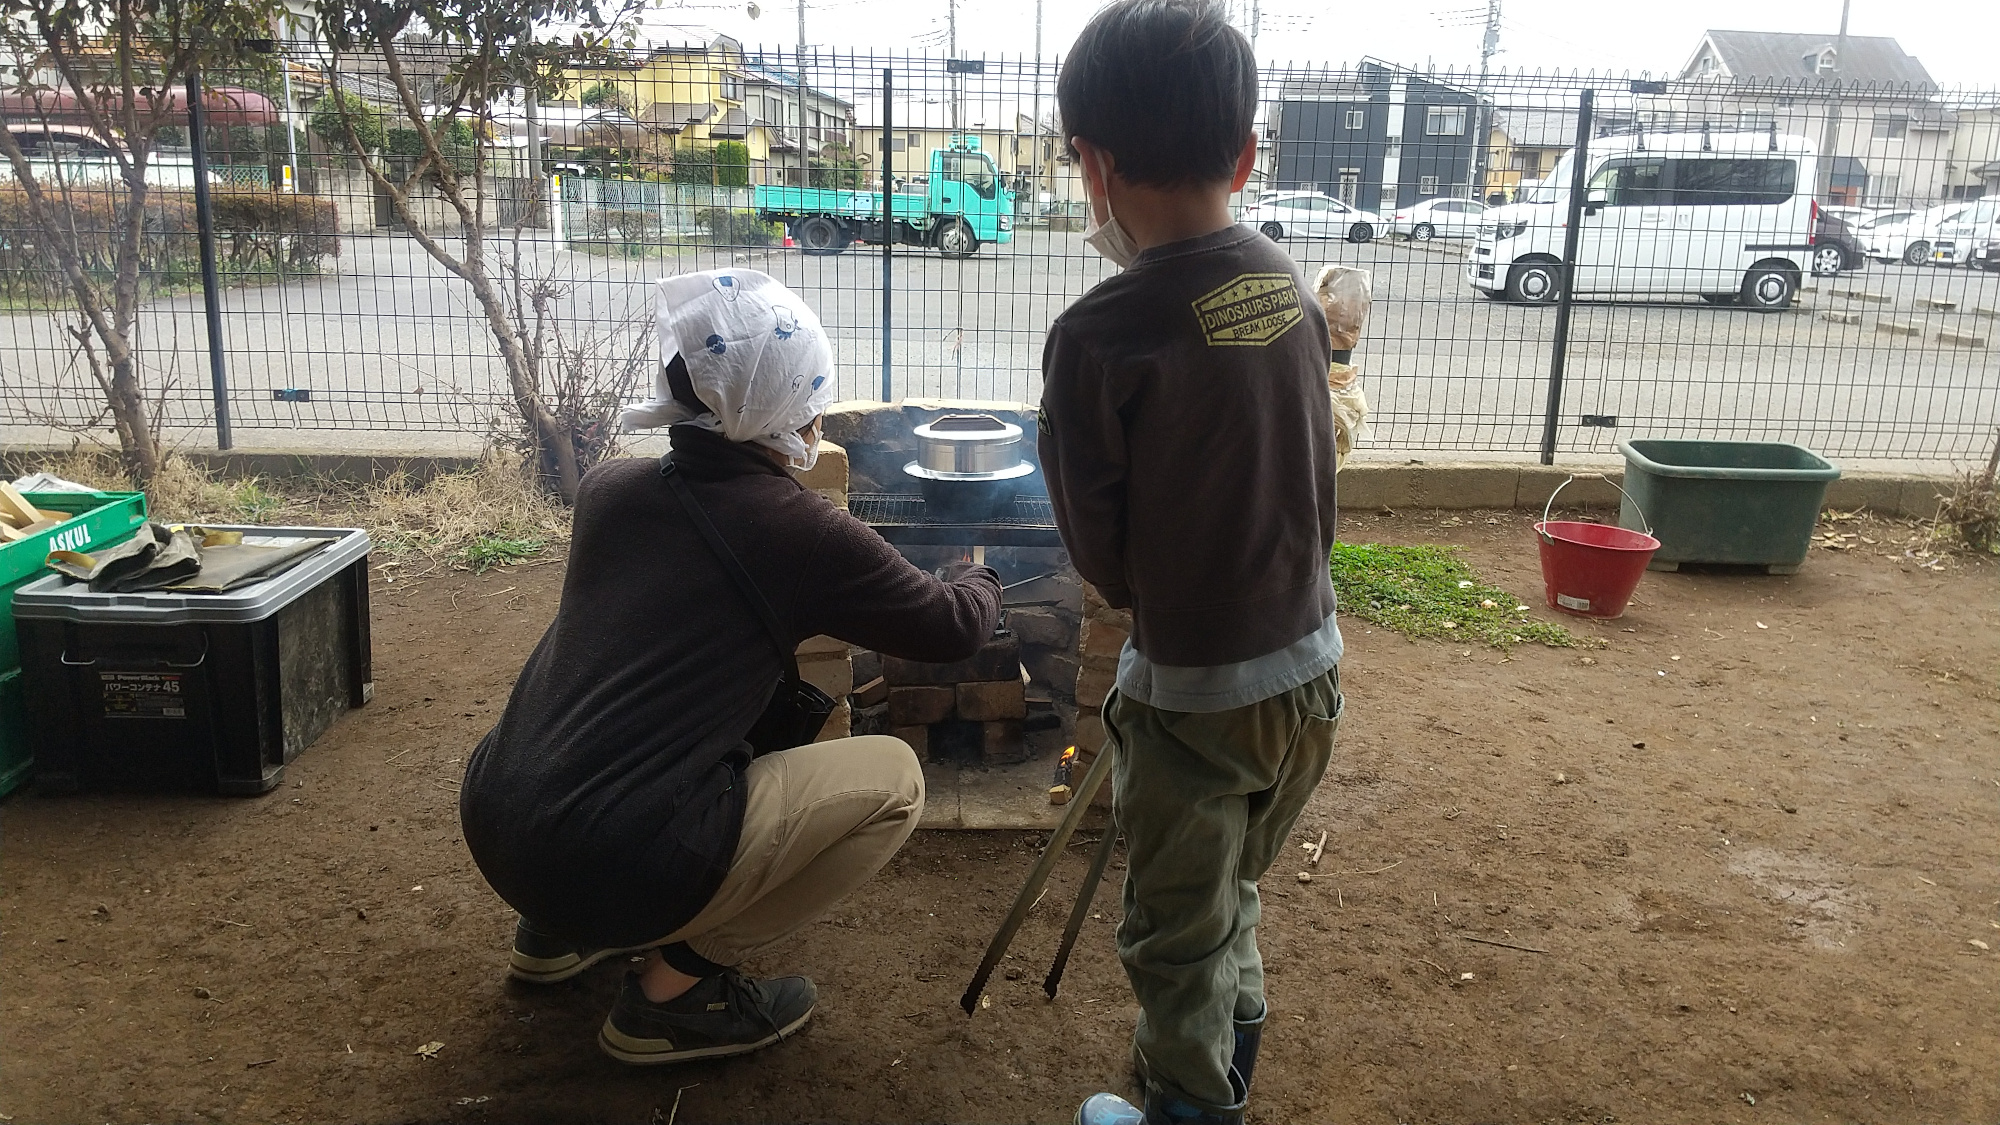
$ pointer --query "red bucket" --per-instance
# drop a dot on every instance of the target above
(1591, 569)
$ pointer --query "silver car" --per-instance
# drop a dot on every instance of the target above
(1438, 218)
(1310, 214)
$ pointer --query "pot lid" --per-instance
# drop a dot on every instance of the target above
(968, 427)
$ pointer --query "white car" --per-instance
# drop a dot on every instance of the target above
(1438, 218)
(1911, 240)
(1971, 230)
(1852, 216)
(1310, 214)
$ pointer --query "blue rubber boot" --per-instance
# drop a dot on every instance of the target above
(1249, 1036)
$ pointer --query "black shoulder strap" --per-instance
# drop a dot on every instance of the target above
(729, 563)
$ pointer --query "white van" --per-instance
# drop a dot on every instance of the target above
(1728, 217)
(1967, 231)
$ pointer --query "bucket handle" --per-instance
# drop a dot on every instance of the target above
(1546, 537)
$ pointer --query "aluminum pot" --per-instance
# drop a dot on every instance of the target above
(968, 443)
(969, 466)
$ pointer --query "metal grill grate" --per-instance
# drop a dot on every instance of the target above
(904, 518)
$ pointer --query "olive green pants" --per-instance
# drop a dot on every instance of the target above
(1206, 802)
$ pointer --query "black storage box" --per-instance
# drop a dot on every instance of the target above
(214, 692)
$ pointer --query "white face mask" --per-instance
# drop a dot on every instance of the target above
(812, 453)
(1108, 238)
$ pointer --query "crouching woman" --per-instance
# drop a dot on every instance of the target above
(618, 805)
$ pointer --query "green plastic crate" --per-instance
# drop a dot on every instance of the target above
(102, 519)
(1743, 503)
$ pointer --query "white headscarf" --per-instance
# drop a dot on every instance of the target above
(756, 357)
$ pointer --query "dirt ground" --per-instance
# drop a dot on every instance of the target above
(1736, 866)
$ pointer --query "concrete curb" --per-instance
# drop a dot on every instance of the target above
(1364, 485)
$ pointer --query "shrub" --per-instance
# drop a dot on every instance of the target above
(606, 94)
(326, 124)
(725, 227)
(732, 164)
(256, 232)
(602, 224)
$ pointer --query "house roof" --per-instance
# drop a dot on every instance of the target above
(1537, 128)
(760, 72)
(675, 116)
(733, 126)
(1324, 90)
(1783, 56)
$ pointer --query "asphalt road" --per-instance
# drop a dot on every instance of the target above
(395, 355)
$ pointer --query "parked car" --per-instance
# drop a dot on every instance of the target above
(1728, 217)
(1835, 248)
(1310, 214)
(1438, 218)
(1882, 219)
(1986, 257)
(1971, 229)
(1852, 216)
(1910, 240)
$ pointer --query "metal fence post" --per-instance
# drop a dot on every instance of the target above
(1579, 175)
(888, 220)
(211, 290)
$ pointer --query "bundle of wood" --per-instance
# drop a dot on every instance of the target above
(20, 519)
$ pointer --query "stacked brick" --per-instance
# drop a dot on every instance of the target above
(971, 710)
(828, 665)
(824, 662)
(1100, 639)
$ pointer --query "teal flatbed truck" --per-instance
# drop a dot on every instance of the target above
(964, 205)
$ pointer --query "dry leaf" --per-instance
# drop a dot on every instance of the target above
(430, 1050)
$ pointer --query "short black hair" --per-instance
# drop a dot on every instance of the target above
(1166, 86)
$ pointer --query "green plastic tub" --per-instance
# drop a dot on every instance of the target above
(1740, 503)
(100, 519)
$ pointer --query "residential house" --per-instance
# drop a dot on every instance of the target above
(1377, 137)
(795, 118)
(1523, 147)
(1870, 108)
(691, 87)
(1973, 168)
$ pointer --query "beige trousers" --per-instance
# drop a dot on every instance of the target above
(819, 820)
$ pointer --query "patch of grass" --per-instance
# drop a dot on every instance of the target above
(440, 520)
(1428, 591)
(489, 551)
(446, 516)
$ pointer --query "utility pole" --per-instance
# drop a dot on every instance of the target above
(1489, 45)
(805, 165)
(951, 52)
(1830, 139)
(1036, 119)
(1256, 19)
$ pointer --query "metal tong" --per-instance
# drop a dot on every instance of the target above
(1031, 891)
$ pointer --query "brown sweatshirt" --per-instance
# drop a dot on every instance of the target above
(1187, 437)
(607, 803)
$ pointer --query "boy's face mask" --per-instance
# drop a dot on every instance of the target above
(1107, 238)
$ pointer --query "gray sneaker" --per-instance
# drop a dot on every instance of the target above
(721, 1016)
(541, 959)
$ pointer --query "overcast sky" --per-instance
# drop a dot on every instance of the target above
(1957, 40)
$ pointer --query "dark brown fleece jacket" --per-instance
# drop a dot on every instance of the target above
(607, 803)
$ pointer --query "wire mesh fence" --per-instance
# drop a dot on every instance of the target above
(1803, 260)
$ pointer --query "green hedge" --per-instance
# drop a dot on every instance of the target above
(257, 233)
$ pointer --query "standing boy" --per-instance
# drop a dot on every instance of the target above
(1189, 446)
